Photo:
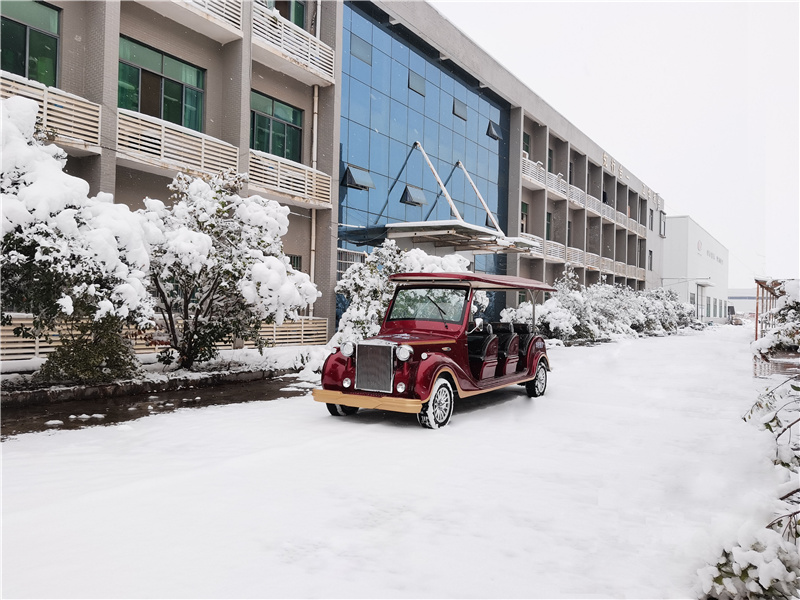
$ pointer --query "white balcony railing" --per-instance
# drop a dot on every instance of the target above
(594, 205)
(555, 250)
(534, 171)
(557, 184)
(537, 243)
(229, 11)
(639, 273)
(577, 195)
(642, 230)
(630, 271)
(290, 178)
(609, 213)
(622, 219)
(620, 269)
(164, 145)
(575, 256)
(592, 261)
(293, 43)
(632, 224)
(607, 265)
(75, 120)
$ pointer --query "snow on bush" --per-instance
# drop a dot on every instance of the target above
(66, 257)
(218, 269)
(785, 334)
(603, 311)
(367, 288)
(763, 561)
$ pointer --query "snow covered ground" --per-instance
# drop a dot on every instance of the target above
(622, 481)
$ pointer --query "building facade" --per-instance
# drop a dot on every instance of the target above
(696, 267)
(370, 120)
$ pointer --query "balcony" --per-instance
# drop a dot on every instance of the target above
(285, 47)
(594, 205)
(149, 144)
(641, 230)
(533, 173)
(608, 213)
(537, 244)
(620, 268)
(575, 256)
(640, 273)
(577, 196)
(607, 265)
(632, 225)
(555, 251)
(557, 184)
(220, 20)
(75, 120)
(630, 271)
(592, 261)
(296, 183)
(621, 219)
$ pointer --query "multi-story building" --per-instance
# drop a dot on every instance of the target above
(371, 120)
(696, 267)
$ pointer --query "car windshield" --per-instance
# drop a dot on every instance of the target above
(429, 304)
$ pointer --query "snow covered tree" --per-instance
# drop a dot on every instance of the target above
(367, 288)
(785, 334)
(218, 270)
(76, 263)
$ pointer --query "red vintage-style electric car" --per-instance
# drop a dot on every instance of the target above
(430, 350)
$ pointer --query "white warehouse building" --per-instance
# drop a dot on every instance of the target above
(696, 267)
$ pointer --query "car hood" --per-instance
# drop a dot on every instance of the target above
(414, 338)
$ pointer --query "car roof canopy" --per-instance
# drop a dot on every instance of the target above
(480, 281)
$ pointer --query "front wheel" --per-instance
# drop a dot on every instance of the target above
(437, 411)
(536, 386)
(340, 410)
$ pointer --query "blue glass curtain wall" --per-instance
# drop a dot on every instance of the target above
(394, 95)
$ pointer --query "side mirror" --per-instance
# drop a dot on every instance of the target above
(478, 326)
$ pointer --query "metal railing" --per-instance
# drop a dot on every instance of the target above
(630, 271)
(592, 260)
(534, 171)
(594, 205)
(346, 258)
(622, 219)
(557, 184)
(284, 176)
(292, 42)
(609, 213)
(639, 273)
(537, 243)
(607, 265)
(575, 256)
(229, 11)
(152, 141)
(620, 269)
(577, 195)
(75, 120)
(641, 230)
(555, 250)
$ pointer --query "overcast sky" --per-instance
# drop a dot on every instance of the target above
(698, 100)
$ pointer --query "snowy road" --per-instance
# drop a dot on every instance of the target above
(620, 482)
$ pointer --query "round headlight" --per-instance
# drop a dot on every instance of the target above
(346, 383)
(404, 353)
(401, 387)
(348, 348)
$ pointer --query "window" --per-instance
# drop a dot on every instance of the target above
(549, 160)
(30, 41)
(651, 220)
(662, 223)
(569, 175)
(692, 299)
(708, 307)
(416, 82)
(275, 128)
(459, 109)
(360, 48)
(159, 85)
(526, 144)
(291, 10)
(649, 260)
(569, 233)
(296, 261)
(548, 226)
(523, 219)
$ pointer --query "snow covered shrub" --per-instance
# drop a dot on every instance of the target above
(218, 269)
(785, 335)
(763, 562)
(367, 288)
(76, 263)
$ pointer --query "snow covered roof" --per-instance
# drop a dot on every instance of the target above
(480, 281)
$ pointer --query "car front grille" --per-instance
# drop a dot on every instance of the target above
(374, 367)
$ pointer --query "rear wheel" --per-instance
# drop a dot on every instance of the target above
(340, 410)
(436, 412)
(536, 386)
